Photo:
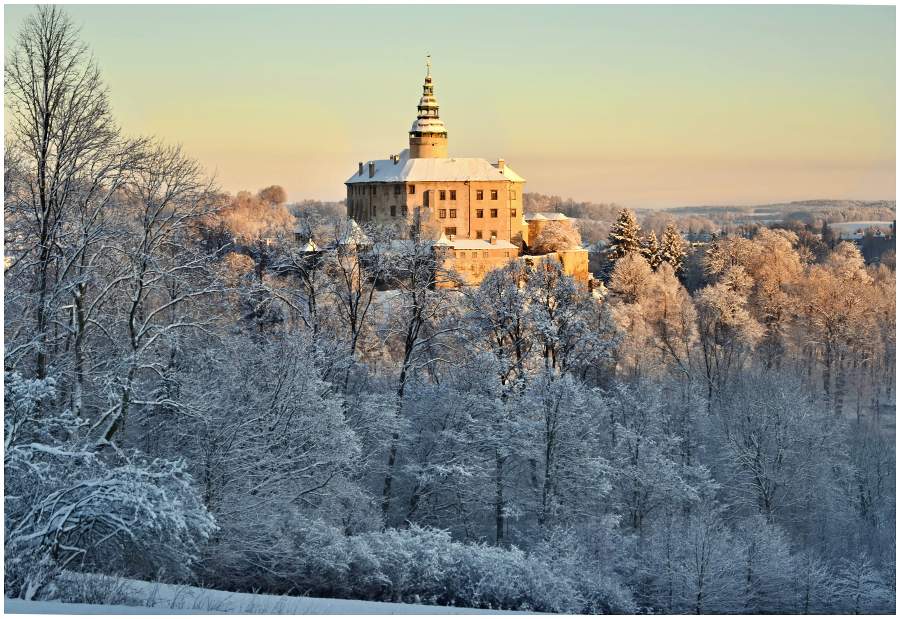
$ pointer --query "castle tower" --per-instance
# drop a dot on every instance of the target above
(428, 135)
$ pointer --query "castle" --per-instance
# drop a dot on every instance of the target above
(473, 208)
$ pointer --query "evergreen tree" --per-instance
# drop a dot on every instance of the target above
(672, 249)
(651, 250)
(624, 237)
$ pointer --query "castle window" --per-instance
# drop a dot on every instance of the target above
(403, 210)
(478, 234)
(512, 212)
(452, 213)
(493, 233)
(453, 194)
(451, 231)
(443, 195)
(412, 189)
(397, 190)
(512, 195)
(479, 213)
(493, 212)
(493, 194)
(442, 213)
(479, 195)
(393, 211)
(426, 200)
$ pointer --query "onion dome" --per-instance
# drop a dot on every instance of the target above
(428, 121)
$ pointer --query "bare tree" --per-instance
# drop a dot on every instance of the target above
(160, 276)
(61, 130)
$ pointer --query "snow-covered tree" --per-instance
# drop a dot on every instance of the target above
(624, 237)
(571, 330)
(767, 568)
(630, 277)
(727, 332)
(556, 236)
(861, 588)
(651, 250)
(671, 249)
(66, 507)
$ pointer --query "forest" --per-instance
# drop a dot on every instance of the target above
(191, 396)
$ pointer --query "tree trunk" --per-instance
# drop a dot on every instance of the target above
(80, 322)
(499, 500)
(840, 386)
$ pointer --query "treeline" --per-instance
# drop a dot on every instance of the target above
(194, 397)
(537, 202)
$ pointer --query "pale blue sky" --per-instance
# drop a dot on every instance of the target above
(642, 105)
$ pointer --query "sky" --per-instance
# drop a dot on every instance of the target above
(645, 106)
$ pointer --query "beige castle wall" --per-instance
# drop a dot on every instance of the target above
(574, 263)
(364, 206)
(471, 265)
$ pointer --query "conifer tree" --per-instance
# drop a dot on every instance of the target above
(624, 237)
(672, 249)
(651, 250)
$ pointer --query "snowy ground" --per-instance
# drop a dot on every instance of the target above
(160, 599)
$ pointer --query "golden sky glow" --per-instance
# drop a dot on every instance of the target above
(641, 105)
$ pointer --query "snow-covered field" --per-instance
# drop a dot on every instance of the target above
(161, 599)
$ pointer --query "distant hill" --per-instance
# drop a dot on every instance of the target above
(594, 218)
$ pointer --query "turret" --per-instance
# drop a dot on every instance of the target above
(428, 135)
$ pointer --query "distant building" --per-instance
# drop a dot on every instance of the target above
(473, 208)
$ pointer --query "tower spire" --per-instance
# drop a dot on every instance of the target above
(428, 135)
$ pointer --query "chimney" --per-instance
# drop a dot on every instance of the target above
(501, 164)
(360, 168)
(396, 159)
(371, 169)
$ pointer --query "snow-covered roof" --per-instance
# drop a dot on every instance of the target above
(545, 216)
(443, 241)
(408, 170)
(309, 246)
(428, 125)
(353, 235)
